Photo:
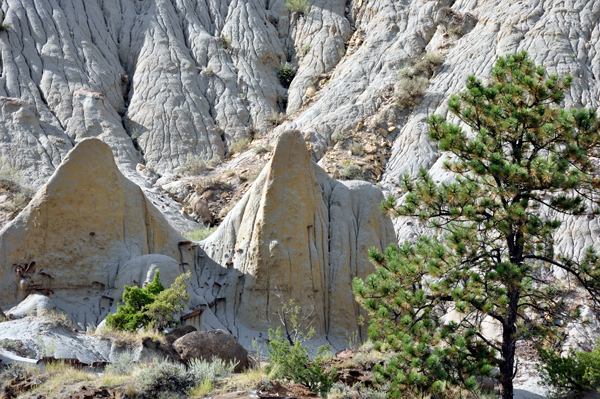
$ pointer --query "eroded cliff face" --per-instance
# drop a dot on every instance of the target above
(160, 81)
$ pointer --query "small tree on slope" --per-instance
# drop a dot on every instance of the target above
(151, 306)
(489, 243)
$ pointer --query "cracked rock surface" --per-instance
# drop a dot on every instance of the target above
(164, 81)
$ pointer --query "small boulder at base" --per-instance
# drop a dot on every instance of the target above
(205, 345)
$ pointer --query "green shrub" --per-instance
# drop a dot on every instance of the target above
(123, 364)
(409, 91)
(169, 303)
(455, 30)
(300, 6)
(428, 64)
(351, 171)
(152, 306)
(289, 357)
(305, 48)
(193, 166)
(3, 26)
(162, 376)
(276, 118)
(578, 372)
(200, 234)
(286, 73)
(202, 370)
(356, 149)
(240, 145)
(338, 136)
(292, 361)
(225, 42)
(412, 81)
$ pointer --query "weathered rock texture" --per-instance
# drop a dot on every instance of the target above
(162, 80)
(79, 230)
(49, 337)
(296, 234)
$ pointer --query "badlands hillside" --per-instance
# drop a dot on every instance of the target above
(127, 124)
(168, 84)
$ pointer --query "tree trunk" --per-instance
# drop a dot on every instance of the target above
(506, 368)
(509, 330)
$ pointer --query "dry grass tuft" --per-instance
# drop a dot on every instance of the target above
(121, 337)
(59, 378)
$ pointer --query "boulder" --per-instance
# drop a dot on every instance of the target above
(34, 305)
(149, 349)
(179, 332)
(205, 345)
(81, 228)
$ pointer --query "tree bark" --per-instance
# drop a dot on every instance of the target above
(509, 330)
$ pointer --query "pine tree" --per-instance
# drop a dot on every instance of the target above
(490, 236)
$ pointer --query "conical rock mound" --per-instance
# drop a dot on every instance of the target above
(297, 234)
(85, 223)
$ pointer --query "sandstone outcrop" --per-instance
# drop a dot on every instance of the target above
(206, 345)
(79, 234)
(296, 234)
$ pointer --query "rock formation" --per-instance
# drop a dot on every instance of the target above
(189, 78)
(162, 82)
(296, 234)
(81, 228)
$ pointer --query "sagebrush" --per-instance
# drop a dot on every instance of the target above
(299, 6)
(412, 81)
